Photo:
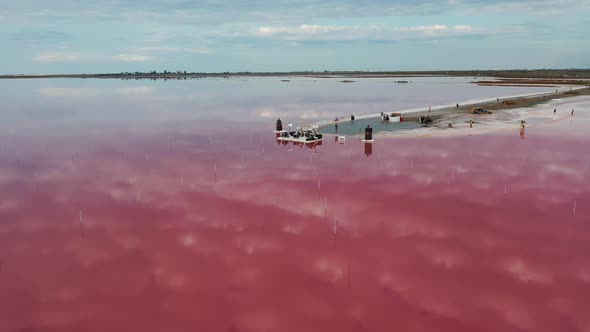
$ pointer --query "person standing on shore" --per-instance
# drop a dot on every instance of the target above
(572, 112)
(554, 111)
(470, 123)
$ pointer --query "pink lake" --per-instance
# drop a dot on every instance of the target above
(169, 206)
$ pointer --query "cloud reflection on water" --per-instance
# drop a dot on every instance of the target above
(248, 246)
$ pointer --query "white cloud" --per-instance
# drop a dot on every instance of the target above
(366, 32)
(302, 29)
(294, 44)
(131, 58)
(57, 57)
(175, 49)
(77, 57)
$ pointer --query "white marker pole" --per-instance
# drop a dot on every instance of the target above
(81, 224)
(575, 207)
(325, 207)
(214, 173)
(505, 188)
(137, 198)
(412, 164)
(319, 184)
(453, 177)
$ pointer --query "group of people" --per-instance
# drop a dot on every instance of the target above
(425, 119)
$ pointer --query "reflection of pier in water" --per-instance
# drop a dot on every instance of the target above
(368, 149)
(301, 145)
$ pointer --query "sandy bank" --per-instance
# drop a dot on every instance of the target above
(506, 113)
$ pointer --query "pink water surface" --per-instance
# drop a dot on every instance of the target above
(223, 230)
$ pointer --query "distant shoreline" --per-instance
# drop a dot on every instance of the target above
(564, 74)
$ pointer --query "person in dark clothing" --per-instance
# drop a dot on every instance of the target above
(279, 126)
(554, 111)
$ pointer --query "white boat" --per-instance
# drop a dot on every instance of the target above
(305, 136)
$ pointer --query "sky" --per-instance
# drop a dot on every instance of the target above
(110, 36)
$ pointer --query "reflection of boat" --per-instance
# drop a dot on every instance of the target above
(310, 146)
